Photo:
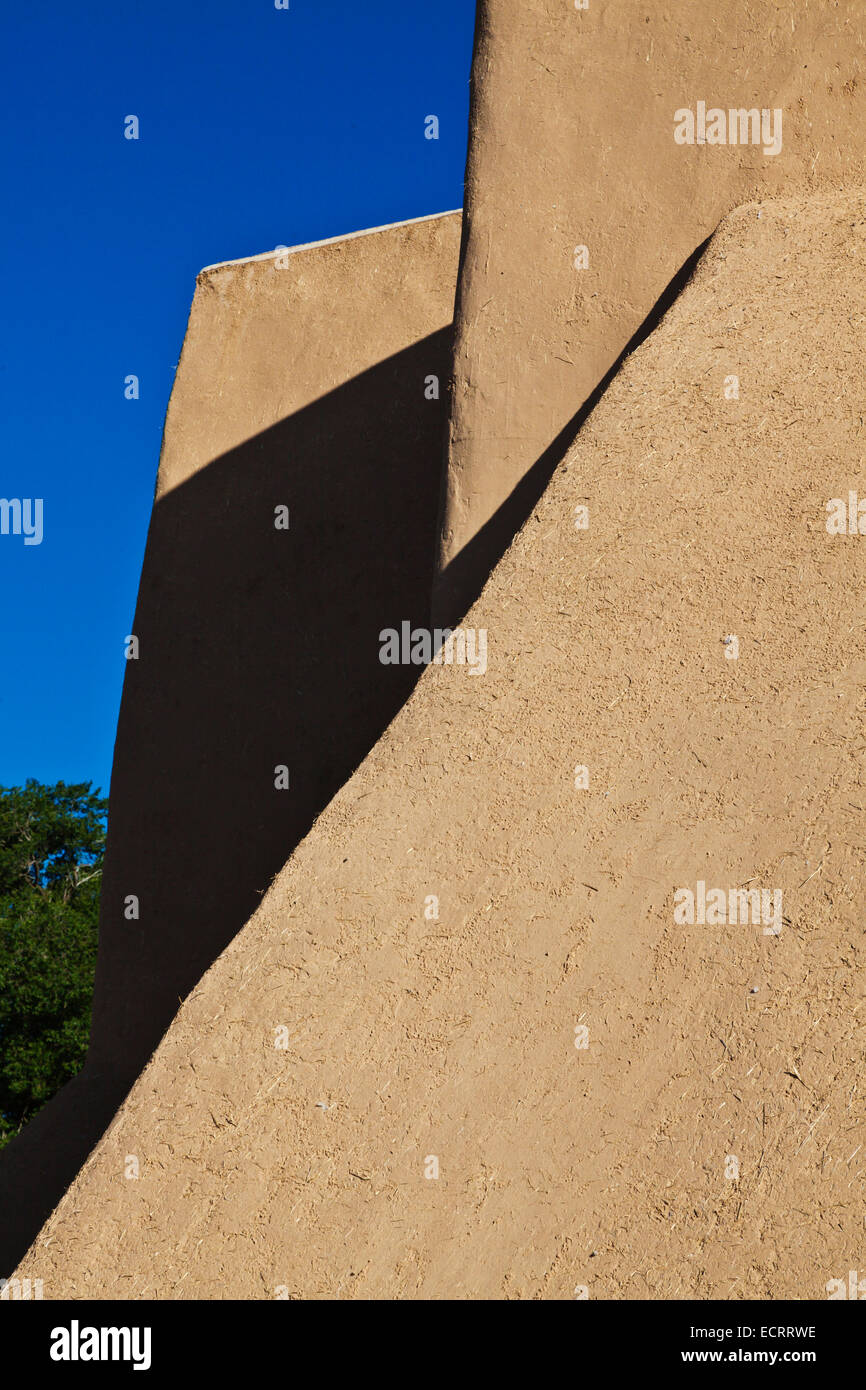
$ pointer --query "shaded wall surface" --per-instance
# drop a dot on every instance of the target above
(303, 383)
(572, 145)
(304, 1169)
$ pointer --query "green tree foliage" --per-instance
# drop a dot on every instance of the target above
(51, 846)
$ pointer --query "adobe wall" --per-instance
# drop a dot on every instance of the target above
(303, 383)
(572, 145)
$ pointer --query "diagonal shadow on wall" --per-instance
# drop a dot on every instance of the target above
(458, 586)
(258, 648)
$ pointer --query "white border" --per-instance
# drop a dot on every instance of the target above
(329, 241)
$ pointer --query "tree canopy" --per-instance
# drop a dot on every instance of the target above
(52, 841)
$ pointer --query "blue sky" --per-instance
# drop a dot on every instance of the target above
(258, 127)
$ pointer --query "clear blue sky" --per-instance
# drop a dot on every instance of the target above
(258, 127)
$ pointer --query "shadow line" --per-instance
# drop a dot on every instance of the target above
(258, 648)
(461, 582)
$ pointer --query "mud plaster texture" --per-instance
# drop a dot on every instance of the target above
(302, 1169)
(572, 144)
(301, 384)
